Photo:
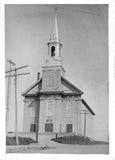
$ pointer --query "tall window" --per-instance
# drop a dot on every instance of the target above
(32, 127)
(69, 109)
(51, 80)
(52, 51)
(50, 108)
(32, 115)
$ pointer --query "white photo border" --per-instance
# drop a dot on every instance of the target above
(111, 34)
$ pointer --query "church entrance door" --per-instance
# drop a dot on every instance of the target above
(48, 127)
(69, 128)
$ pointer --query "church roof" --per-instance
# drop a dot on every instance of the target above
(67, 89)
(32, 87)
(87, 106)
(70, 87)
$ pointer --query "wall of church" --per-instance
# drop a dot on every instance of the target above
(63, 112)
(52, 78)
(73, 117)
(78, 122)
(31, 110)
(51, 116)
(42, 118)
(27, 115)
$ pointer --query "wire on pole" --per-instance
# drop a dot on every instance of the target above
(17, 68)
(11, 63)
(17, 74)
(16, 102)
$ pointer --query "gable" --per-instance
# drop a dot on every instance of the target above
(68, 87)
(33, 89)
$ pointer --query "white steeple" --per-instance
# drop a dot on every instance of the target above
(54, 47)
(53, 69)
(54, 34)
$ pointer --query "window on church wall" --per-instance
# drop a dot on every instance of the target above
(51, 81)
(32, 115)
(52, 51)
(59, 52)
(32, 127)
(50, 108)
(69, 109)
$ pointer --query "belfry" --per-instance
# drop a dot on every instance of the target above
(53, 104)
(53, 70)
(54, 46)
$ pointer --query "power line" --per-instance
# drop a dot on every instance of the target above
(17, 75)
(16, 102)
(17, 68)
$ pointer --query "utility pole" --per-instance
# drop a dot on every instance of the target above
(16, 102)
(16, 109)
(8, 93)
(85, 112)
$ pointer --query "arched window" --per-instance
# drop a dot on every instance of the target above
(52, 51)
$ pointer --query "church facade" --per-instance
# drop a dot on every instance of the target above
(53, 104)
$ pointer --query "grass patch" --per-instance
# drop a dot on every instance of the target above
(22, 141)
(77, 140)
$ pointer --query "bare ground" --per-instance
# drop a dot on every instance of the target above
(45, 145)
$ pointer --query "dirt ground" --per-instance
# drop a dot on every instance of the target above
(45, 145)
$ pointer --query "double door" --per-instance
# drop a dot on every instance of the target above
(48, 127)
(69, 128)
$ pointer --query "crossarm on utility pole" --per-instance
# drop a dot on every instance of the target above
(16, 102)
(17, 68)
(17, 75)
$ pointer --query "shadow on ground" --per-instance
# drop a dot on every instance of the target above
(77, 140)
(22, 140)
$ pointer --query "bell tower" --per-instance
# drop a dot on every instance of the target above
(54, 47)
(53, 70)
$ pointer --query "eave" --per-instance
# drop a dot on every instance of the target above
(73, 86)
(88, 107)
(51, 93)
(31, 87)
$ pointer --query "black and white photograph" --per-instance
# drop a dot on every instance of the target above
(57, 78)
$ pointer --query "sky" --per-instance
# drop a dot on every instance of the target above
(83, 31)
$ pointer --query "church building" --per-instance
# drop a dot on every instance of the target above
(53, 104)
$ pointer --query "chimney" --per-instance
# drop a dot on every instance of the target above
(38, 76)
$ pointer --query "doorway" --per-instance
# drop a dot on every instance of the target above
(69, 128)
(48, 127)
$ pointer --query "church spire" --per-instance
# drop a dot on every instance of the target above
(54, 34)
(54, 47)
